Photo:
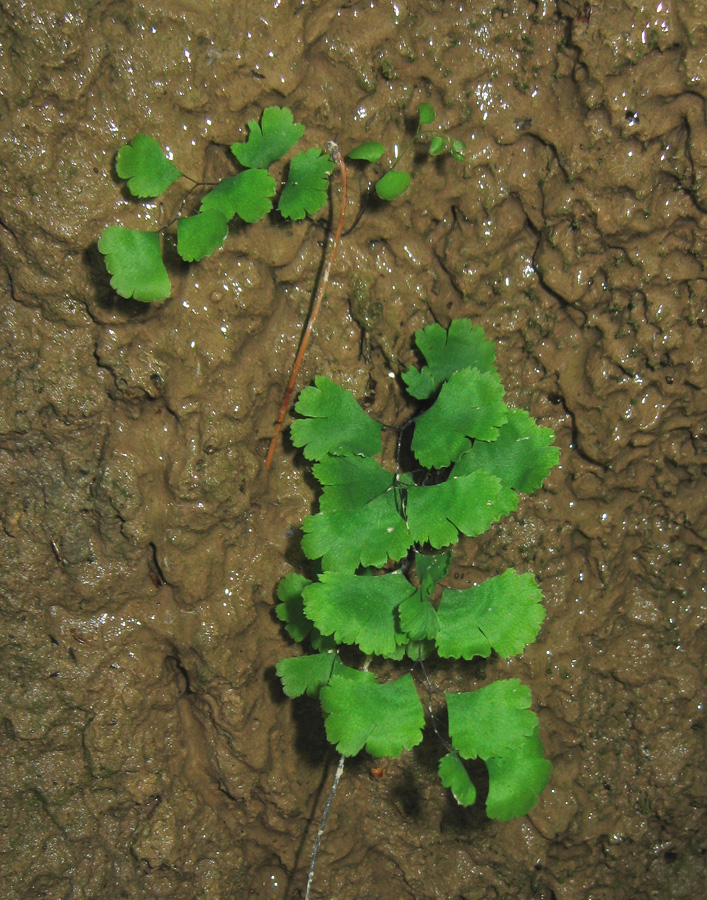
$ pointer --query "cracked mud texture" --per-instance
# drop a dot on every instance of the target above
(146, 749)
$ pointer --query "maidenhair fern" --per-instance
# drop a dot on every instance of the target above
(134, 257)
(379, 541)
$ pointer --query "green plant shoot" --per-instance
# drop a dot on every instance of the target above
(134, 258)
(394, 182)
(380, 547)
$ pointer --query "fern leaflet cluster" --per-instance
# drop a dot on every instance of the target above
(381, 541)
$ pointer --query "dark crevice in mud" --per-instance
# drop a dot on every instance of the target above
(180, 674)
(577, 314)
(157, 576)
(8, 230)
(576, 442)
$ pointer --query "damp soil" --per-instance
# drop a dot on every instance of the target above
(146, 749)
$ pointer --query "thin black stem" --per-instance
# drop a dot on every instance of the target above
(194, 186)
(430, 689)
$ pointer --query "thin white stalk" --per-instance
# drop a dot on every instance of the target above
(322, 824)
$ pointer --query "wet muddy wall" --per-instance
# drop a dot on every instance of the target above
(146, 748)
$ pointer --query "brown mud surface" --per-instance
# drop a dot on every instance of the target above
(146, 749)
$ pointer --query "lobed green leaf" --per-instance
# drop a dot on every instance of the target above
(307, 181)
(144, 164)
(198, 236)
(516, 782)
(503, 613)
(367, 535)
(418, 618)
(468, 504)
(384, 718)
(521, 456)
(462, 346)
(269, 140)
(290, 609)
(333, 422)
(469, 405)
(134, 259)
(494, 721)
(308, 674)
(359, 523)
(359, 609)
(246, 195)
(350, 481)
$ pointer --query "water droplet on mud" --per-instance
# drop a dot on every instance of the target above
(269, 882)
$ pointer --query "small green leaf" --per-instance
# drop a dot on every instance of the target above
(333, 422)
(521, 456)
(143, 163)
(290, 609)
(359, 520)
(461, 346)
(452, 640)
(367, 535)
(493, 721)
(437, 145)
(134, 260)
(426, 114)
(418, 618)
(350, 481)
(392, 184)
(469, 405)
(431, 568)
(469, 504)
(246, 195)
(457, 150)
(384, 718)
(503, 613)
(268, 141)
(455, 777)
(516, 782)
(307, 181)
(307, 674)
(358, 609)
(198, 236)
(417, 650)
(370, 151)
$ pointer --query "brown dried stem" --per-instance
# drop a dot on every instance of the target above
(318, 297)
